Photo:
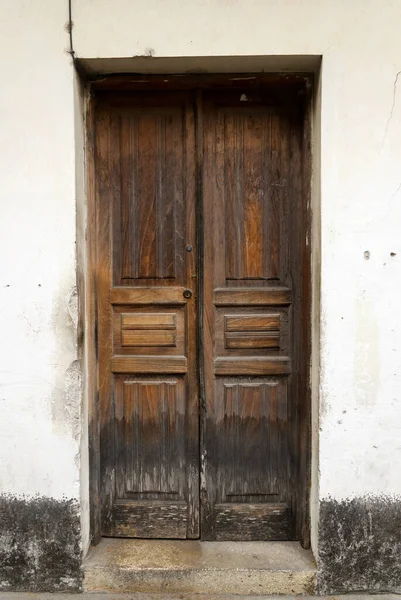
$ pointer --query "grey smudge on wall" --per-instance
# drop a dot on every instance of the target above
(66, 393)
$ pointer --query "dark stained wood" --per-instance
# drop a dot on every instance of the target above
(149, 442)
(282, 87)
(107, 193)
(149, 519)
(304, 401)
(150, 419)
(151, 174)
(252, 522)
(240, 343)
(248, 421)
(86, 259)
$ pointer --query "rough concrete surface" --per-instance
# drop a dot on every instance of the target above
(192, 566)
(139, 596)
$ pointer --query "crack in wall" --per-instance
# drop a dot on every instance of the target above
(392, 107)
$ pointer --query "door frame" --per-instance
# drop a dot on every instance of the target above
(278, 83)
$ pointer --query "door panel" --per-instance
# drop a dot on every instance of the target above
(251, 250)
(147, 329)
(248, 490)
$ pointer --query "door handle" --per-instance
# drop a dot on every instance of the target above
(187, 294)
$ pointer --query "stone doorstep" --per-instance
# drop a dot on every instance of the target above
(139, 596)
(192, 566)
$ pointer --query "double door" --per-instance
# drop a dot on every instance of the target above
(199, 233)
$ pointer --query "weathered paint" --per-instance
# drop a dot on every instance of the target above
(356, 206)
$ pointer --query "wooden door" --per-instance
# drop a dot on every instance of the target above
(253, 292)
(146, 255)
(203, 325)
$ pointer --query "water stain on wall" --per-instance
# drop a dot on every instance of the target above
(67, 392)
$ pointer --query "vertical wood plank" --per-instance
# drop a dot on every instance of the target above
(306, 315)
(107, 191)
(277, 181)
(192, 193)
(146, 216)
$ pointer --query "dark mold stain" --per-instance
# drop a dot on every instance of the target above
(360, 545)
(40, 545)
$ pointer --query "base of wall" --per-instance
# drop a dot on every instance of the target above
(360, 545)
(40, 548)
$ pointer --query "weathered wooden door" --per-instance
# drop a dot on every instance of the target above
(149, 416)
(202, 290)
(253, 291)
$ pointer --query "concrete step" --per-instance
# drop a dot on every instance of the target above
(140, 596)
(192, 566)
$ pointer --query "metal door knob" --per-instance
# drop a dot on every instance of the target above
(187, 294)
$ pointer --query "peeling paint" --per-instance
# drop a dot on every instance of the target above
(72, 306)
(67, 393)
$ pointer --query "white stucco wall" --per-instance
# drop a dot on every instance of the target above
(359, 448)
(40, 422)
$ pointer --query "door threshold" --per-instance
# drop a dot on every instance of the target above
(183, 566)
